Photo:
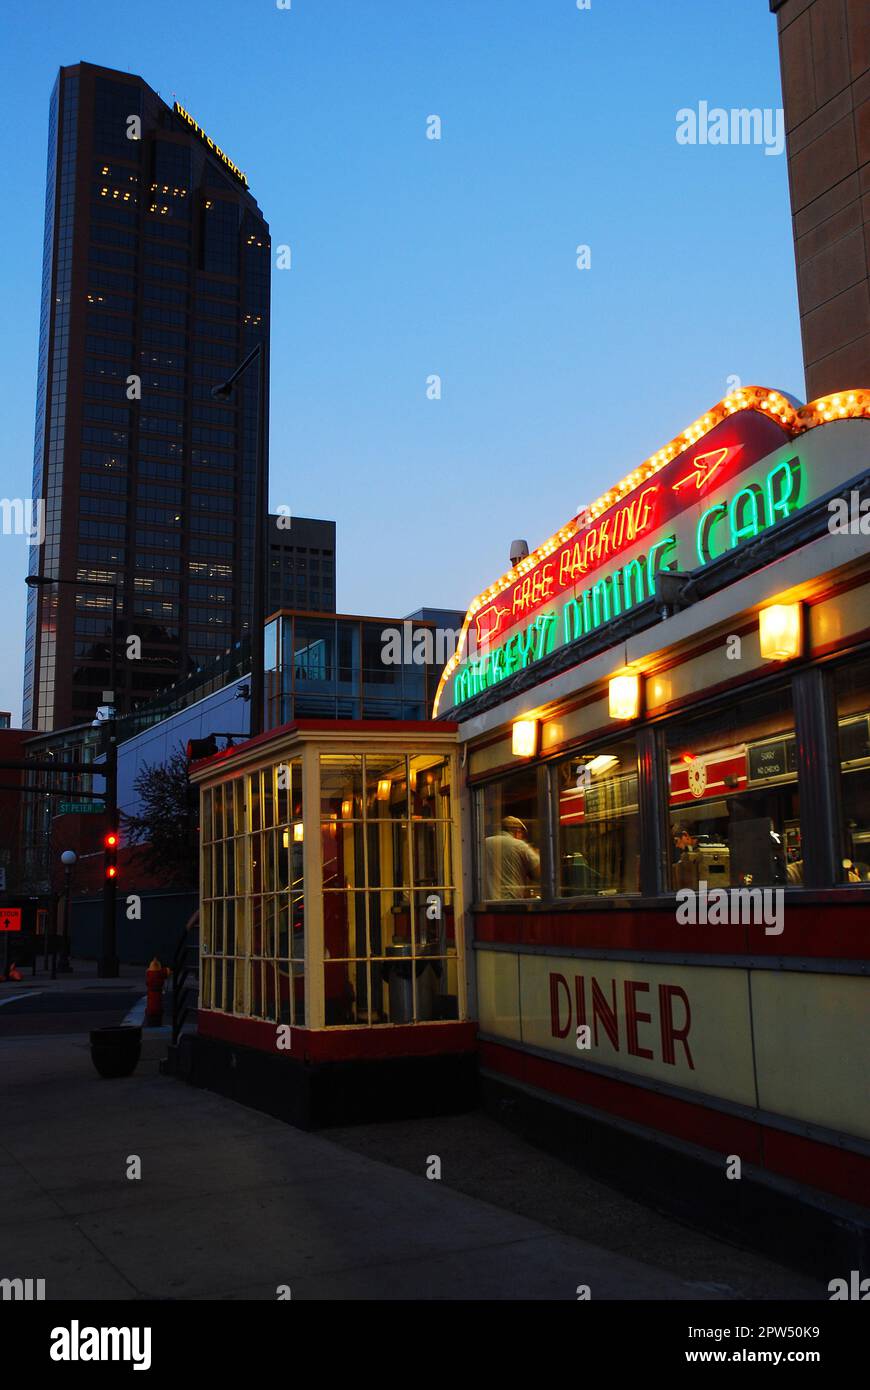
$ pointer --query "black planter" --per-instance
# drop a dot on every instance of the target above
(116, 1051)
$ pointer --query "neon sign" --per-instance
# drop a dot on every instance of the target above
(215, 149)
(582, 613)
(752, 509)
(686, 494)
(605, 538)
(704, 466)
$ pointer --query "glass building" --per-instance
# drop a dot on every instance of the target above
(155, 285)
(346, 667)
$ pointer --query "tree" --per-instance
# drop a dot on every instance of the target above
(166, 827)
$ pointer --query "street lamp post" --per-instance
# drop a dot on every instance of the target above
(68, 859)
(107, 967)
(44, 581)
(223, 392)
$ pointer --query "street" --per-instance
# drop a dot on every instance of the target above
(32, 1009)
(231, 1204)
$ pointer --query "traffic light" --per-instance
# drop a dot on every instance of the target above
(110, 854)
(201, 748)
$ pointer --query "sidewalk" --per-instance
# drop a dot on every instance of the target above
(231, 1203)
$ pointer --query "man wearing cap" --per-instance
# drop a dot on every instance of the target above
(513, 866)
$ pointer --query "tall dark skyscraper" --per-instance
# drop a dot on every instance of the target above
(155, 285)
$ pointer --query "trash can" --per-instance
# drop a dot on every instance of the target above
(397, 973)
(115, 1051)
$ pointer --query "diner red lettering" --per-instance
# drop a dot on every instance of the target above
(674, 1021)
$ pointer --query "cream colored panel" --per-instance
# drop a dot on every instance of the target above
(575, 724)
(812, 1041)
(837, 618)
(498, 998)
(697, 1034)
(710, 668)
(493, 755)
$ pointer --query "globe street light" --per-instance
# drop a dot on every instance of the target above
(68, 859)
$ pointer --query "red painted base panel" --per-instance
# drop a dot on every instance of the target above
(839, 929)
(342, 1044)
(805, 1161)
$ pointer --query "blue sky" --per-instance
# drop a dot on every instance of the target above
(412, 257)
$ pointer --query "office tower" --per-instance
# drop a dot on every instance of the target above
(824, 48)
(300, 564)
(155, 286)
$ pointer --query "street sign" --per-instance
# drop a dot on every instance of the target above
(78, 808)
(10, 919)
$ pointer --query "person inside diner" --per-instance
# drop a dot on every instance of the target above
(513, 866)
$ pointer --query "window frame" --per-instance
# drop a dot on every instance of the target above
(812, 689)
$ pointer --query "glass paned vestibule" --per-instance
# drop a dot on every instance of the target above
(330, 891)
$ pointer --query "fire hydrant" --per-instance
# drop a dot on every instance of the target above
(155, 978)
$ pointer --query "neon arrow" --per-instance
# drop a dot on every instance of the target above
(489, 622)
(705, 465)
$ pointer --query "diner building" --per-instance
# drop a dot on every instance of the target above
(623, 873)
(664, 721)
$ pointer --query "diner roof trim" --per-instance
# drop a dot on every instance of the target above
(374, 732)
(793, 418)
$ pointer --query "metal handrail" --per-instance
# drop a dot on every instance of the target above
(185, 977)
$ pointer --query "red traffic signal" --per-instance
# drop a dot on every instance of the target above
(201, 748)
(110, 853)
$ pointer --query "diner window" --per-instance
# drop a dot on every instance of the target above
(853, 722)
(734, 797)
(510, 834)
(598, 835)
(252, 923)
(388, 889)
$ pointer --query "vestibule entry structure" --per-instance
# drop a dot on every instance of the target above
(330, 892)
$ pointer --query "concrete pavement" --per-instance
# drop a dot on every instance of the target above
(82, 977)
(232, 1204)
(71, 1003)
